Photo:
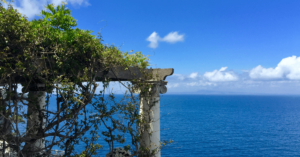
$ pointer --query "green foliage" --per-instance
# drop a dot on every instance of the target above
(52, 51)
(53, 44)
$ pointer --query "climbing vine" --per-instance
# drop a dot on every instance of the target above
(51, 54)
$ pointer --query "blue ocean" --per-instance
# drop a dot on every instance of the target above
(233, 126)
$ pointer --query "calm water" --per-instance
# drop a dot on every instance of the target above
(228, 126)
(231, 125)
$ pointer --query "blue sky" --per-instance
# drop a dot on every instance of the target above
(215, 46)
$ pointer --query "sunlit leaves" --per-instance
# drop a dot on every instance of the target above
(3, 1)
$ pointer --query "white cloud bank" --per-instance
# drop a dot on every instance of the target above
(31, 8)
(288, 67)
(284, 79)
(201, 83)
(220, 75)
(209, 79)
(172, 37)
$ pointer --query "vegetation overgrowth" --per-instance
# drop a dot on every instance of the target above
(51, 54)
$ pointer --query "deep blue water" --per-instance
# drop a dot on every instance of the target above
(231, 125)
(202, 125)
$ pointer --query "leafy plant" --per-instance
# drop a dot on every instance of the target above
(52, 54)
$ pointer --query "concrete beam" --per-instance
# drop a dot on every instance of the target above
(120, 74)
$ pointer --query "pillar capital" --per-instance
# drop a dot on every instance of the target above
(156, 88)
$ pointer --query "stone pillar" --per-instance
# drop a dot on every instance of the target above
(37, 97)
(150, 111)
(40, 143)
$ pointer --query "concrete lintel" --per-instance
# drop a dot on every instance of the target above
(120, 74)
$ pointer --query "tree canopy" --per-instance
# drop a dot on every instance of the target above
(53, 43)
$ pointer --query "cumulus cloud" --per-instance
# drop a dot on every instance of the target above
(222, 81)
(265, 73)
(31, 8)
(193, 75)
(172, 37)
(288, 67)
(181, 77)
(153, 38)
(220, 75)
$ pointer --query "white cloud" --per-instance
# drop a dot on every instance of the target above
(153, 38)
(220, 75)
(172, 37)
(193, 75)
(179, 76)
(172, 85)
(233, 83)
(265, 73)
(288, 67)
(201, 83)
(78, 2)
(31, 8)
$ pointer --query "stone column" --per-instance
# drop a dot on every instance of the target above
(150, 111)
(37, 96)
